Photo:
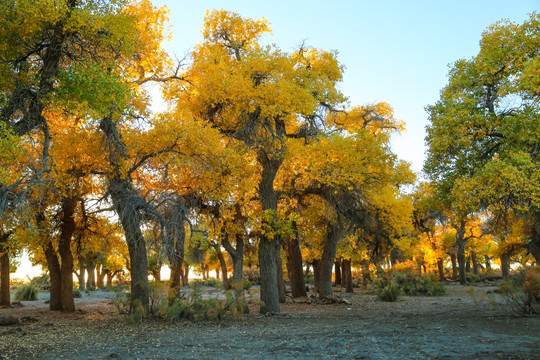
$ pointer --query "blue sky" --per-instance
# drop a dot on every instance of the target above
(393, 51)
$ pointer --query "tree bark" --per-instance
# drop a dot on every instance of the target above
(334, 234)
(55, 290)
(474, 262)
(440, 267)
(280, 276)
(453, 258)
(129, 206)
(91, 281)
(66, 257)
(347, 276)
(186, 275)
(4, 271)
(505, 266)
(82, 274)
(267, 246)
(460, 242)
(175, 241)
(294, 257)
(337, 272)
(488, 262)
(223, 265)
(366, 275)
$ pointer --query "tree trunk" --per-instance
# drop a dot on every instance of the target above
(91, 281)
(474, 262)
(308, 267)
(467, 264)
(280, 276)
(460, 242)
(66, 257)
(294, 256)
(440, 266)
(267, 247)
(334, 234)
(453, 258)
(505, 266)
(109, 279)
(488, 262)
(337, 273)
(186, 275)
(316, 274)
(129, 206)
(4, 271)
(223, 265)
(175, 241)
(82, 274)
(366, 275)
(55, 301)
(347, 276)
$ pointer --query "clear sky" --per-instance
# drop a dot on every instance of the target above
(394, 51)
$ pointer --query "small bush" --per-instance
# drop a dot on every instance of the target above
(208, 282)
(472, 278)
(27, 292)
(41, 282)
(522, 293)
(389, 293)
(415, 285)
(77, 293)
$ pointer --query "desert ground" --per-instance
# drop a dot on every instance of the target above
(455, 326)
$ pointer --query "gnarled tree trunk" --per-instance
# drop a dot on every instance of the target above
(333, 235)
(267, 246)
(347, 275)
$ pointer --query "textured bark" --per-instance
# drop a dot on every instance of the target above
(334, 234)
(267, 247)
(488, 262)
(505, 266)
(347, 276)
(223, 265)
(294, 257)
(175, 241)
(440, 267)
(91, 281)
(186, 275)
(4, 271)
(280, 276)
(66, 257)
(453, 258)
(337, 272)
(366, 276)
(129, 206)
(474, 262)
(82, 274)
(460, 242)
(55, 290)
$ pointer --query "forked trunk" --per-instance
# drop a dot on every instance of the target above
(334, 234)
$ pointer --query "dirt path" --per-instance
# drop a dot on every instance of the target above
(449, 327)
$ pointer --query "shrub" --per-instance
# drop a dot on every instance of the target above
(389, 293)
(27, 292)
(415, 285)
(472, 277)
(208, 282)
(77, 293)
(522, 293)
(41, 282)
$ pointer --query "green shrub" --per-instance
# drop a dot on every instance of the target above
(208, 282)
(522, 292)
(472, 277)
(77, 293)
(27, 292)
(389, 293)
(415, 285)
(41, 282)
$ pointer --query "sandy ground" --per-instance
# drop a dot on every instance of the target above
(448, 327)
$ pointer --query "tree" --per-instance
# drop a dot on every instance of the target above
(483, 133)
(258, 96)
